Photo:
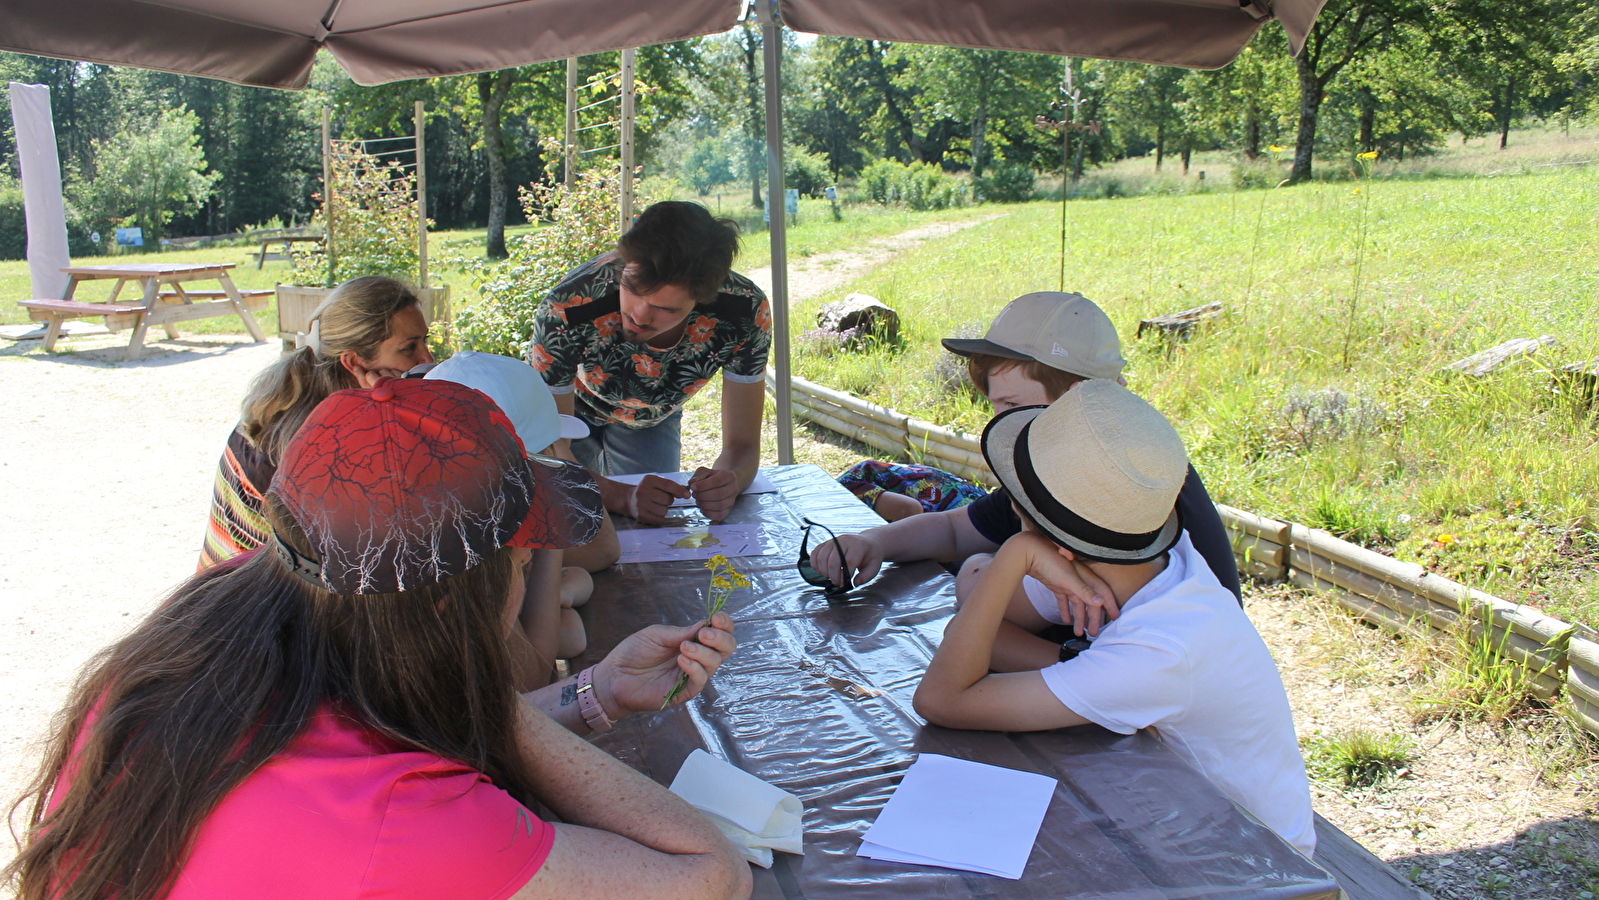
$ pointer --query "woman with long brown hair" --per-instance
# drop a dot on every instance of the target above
(332, 716)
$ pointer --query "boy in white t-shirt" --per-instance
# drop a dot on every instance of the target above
(1095, 477)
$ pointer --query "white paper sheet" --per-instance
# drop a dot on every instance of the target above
(960, 814)
(640, 545)
(761, 484)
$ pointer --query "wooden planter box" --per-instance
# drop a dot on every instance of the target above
(296, 303)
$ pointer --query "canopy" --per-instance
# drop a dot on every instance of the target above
(273, 43)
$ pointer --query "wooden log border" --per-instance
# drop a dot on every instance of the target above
(1558, 657)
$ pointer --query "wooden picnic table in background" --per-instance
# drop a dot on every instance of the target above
(288, 241)
(166, 299)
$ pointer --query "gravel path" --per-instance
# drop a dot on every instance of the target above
(107, 470)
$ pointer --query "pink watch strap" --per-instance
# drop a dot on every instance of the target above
(589, 704)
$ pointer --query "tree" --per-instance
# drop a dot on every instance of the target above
(975, 89)
(1345, 30)
(149, 172)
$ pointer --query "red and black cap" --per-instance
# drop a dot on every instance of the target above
(415, 481)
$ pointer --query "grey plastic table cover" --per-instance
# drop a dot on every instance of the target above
(1129, 820)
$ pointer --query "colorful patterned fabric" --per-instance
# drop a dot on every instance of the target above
(935, 489)
(236, 524)
(578, 345)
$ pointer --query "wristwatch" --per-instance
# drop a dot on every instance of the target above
(588, 703)
(1071, 648)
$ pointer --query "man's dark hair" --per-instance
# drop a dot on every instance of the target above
(682, 244)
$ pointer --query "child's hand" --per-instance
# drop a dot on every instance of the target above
(1086, 602)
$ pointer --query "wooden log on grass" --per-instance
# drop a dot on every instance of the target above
(855, 420)
(1249, 523)
(1478, 365)
(854, 404)
(1363, 608)
(1179, 325)
(835, 424)
(1582, 682)
(948, 437)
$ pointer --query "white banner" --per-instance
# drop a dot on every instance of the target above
(41, 189)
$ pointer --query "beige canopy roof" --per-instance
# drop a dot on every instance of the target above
(272, 42)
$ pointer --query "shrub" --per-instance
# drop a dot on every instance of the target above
(581, 225)
(806, 172)
(920, 186)
(1358, 758)
(1007, 183)
(13, 226)
(1261, 173)
(374, 223)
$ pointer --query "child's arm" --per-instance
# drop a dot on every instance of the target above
(958, 690)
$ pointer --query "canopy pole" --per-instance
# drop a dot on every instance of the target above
(777, 208)
(627, 140)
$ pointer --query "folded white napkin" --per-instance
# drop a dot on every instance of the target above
(757, 817)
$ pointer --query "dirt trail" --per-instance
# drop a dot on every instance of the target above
(812, 276)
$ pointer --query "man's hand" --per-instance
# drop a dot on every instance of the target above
(862, 559)
(640, 672)
(715, 491)
(1085, 601)
(652, 498)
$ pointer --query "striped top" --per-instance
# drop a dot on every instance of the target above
(237, 524)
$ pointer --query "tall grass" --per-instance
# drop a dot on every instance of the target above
(1447, 267)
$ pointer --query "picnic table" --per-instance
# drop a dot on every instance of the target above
(167, 297)
(288, 241)
(1129, 819)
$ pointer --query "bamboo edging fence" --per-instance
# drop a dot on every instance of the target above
(1397, 596)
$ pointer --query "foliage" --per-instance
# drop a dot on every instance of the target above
(919, 186)
(13, 226)
(805, 172)
(1005, 183)
(1472, 549)
(1359, 757)
(373, 217)
(148, 173)
(708, 165)
(1473, 678)
(581, 224)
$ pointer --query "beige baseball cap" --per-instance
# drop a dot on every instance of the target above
(1063, 331)
(1097, 471)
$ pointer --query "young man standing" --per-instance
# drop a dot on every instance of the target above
(1037, 348)
(628, 337)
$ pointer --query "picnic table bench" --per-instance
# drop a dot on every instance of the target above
(166, 300)
(288, 241)
(818, 702)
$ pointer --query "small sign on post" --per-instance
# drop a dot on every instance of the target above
(130, 237)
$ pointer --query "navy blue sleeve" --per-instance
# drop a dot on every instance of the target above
(994, 519)
(1204, 528)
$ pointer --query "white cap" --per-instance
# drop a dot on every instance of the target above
(519, 392)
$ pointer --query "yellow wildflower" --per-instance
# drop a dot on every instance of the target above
(1369, 154)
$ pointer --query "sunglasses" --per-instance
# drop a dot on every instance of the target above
(830, 587)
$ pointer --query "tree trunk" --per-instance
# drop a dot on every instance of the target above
(492, 89)
(1251, 132)
(1508, 109)
(1309, 109)
(1188, 152)
(755, 121)
(1368, 121)
(979, 134)
(1160, 146)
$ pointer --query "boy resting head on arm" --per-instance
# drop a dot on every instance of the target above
(1095, 477)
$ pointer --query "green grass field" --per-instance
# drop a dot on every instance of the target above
(1318, 397)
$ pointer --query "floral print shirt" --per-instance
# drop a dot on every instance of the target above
(577, 345)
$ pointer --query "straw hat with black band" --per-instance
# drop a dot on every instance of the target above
(1097, 472)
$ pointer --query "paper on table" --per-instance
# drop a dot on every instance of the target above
(960, 814)
(761, 484)
(641, 545)
(757, 817)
